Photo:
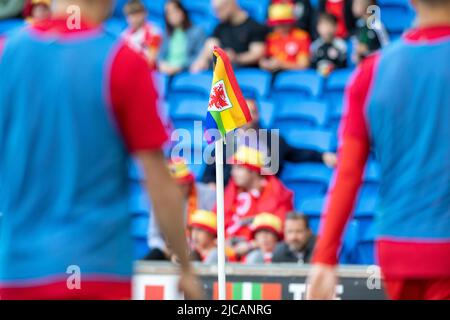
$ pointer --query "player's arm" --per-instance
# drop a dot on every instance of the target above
(134, 101)
(353, 155)
(205, 56)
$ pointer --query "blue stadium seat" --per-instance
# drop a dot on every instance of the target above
(254, 82)
(366, 247)
(139, 202)
(115, 25)
(350, 239)
(301, 85)
(187, 86)
(10, 25)
(313, 208)
(365, 212)
(201, 14)
(397, 15)
(293, 115)
(256, 9)
(155, 9)
(320, 140)
(118, 8)
(186, 112)
(161, 82)
(306, 180)
(266, 113)
(335, 86)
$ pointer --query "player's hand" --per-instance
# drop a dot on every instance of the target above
(322, 281)
(329, 159)
(191, 286)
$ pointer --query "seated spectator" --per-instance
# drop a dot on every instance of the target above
(299, 241)
(287, 46)
(37, 10)
(203, 234)
(328, 52)
(142, 36)
(266, 232)
(342, 10)
(370, 35)
(248, 193)
(11, 8)
(286, 152)
(238, 34)
(183, 41)
(197, 196)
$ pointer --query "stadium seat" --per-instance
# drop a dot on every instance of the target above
(155, 9)
(254, 82)
(118, 8)
(139, 202)
(348, 253)
(266, 113)
(300, 85)
(366, 247)
(187, 86)
(396, 15)
(201, 14)
(365, 212)
(371, 180)
(335, 86)
(186, 112)
(256, 9)
(320, 140)
(10, 25)
(293, 115)
(306, 180)
(313, 209)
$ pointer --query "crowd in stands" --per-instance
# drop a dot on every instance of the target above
(296, 36)
(262, 218)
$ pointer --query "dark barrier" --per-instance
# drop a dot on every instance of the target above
(158, 281)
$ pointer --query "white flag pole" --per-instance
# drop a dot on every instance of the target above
(220, 220)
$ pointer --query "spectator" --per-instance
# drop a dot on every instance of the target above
(11, 8)
(37, 10)
(328, 52)
(248, 193)
(197, 196)
(287, 46)
(286, 152)
(183, 41)
(203, 234)
(238, 34)
(342, 10)
(370, 33)
(142, 36)
(266, 232)
(298, 242)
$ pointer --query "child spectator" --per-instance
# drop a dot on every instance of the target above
(183, 41)
(287, 46)
(328, 52)
(342, 10)
(238, 34)
(248, 193)
(266, 232)
(370, 35)
(203, 234)
(299, 241)
(142, 36)
(196, 196)
(37, 10)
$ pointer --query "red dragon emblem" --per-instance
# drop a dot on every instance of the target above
(218, 99)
